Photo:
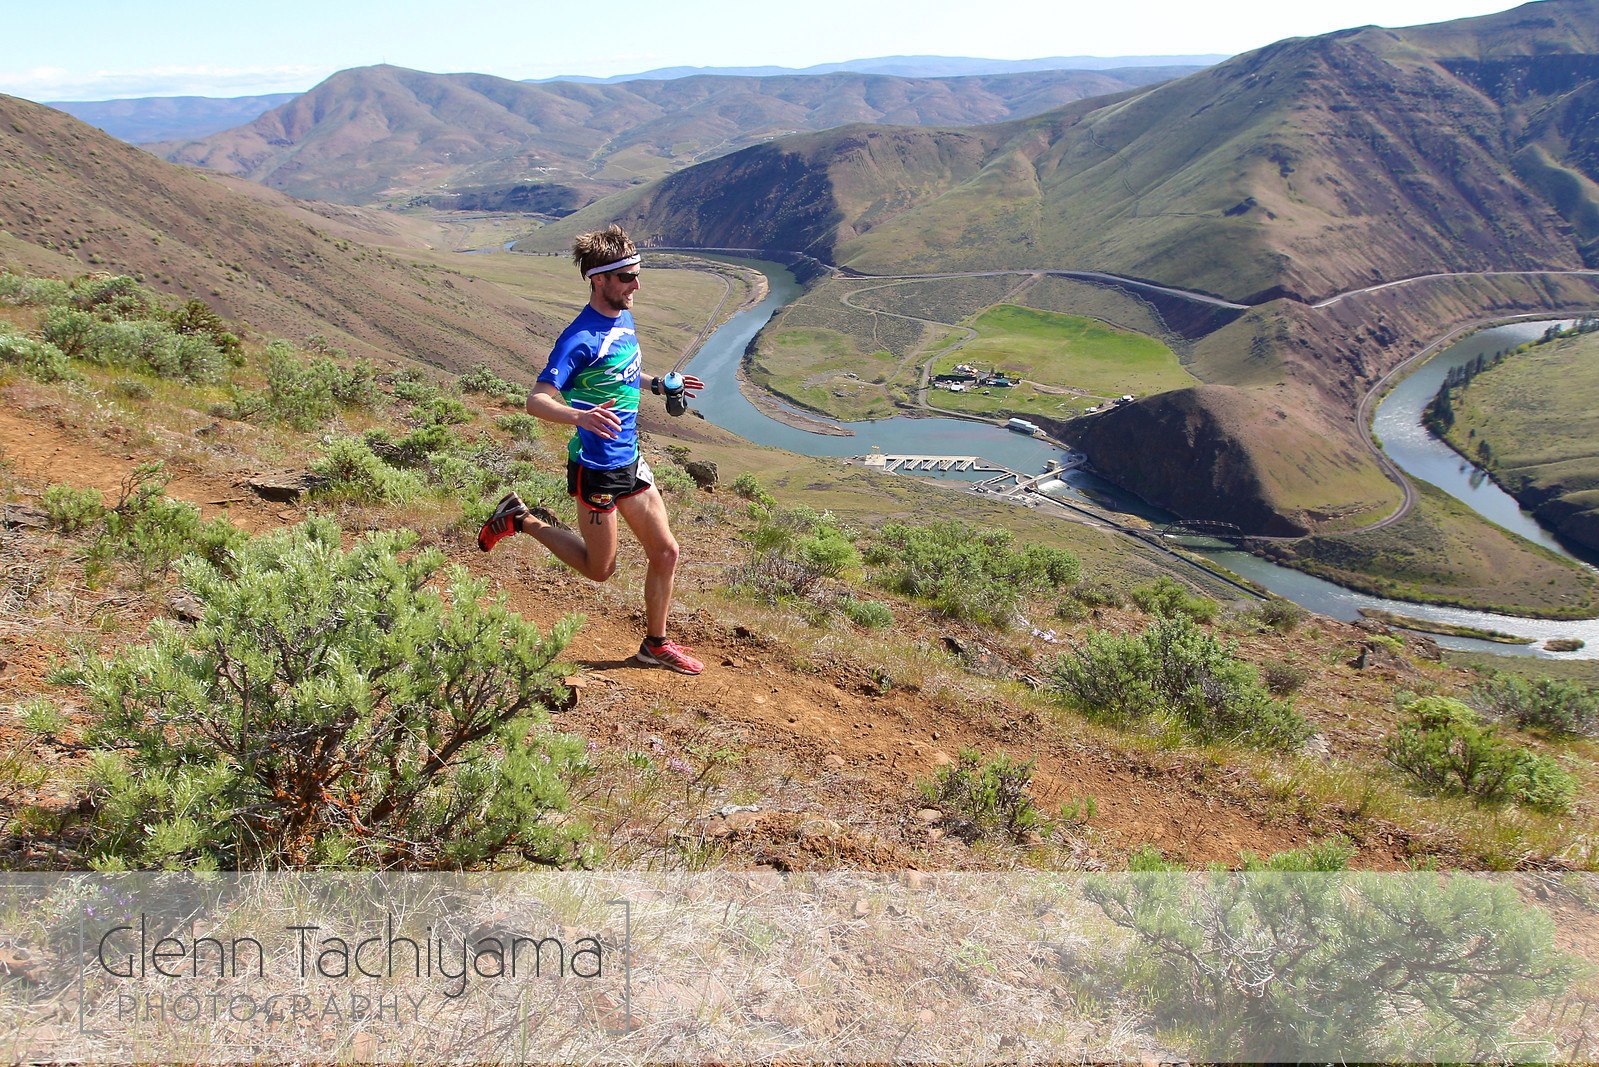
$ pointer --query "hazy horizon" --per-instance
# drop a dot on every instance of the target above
(186, 48)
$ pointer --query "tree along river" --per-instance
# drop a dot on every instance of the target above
(1397, 425)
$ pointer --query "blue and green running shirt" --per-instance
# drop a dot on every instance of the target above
(597, 359)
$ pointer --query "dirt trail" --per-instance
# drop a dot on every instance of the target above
(41, 449)
(836, 743)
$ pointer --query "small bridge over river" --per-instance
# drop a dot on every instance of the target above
(1206, 529)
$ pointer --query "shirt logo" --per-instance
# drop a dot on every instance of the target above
(626, 372)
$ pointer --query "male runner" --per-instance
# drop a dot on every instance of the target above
(591, 382)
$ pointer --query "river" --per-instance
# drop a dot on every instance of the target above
(1397, 425)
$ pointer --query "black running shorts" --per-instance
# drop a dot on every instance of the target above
(600, 490)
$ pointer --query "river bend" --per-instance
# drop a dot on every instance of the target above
(1397, 424)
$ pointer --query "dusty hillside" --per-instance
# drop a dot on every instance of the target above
(71, 191)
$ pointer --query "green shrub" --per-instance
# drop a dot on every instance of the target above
(1281, 615)
(70, 509)
(196, 319)
(981, 798)
(670, 478)
(36, 292)
(353, 386)
(1547, 703)
(151, 531)
(132, 389)
(42, 718)
(1098, 594)
(69, 330)
(872, 614)
(482, 380)
(296, 395)
(791, 550)
(522, 426)
(37, 359)
(1320, 857)
(303, 391)
(333, 708)
(1283, 678)
(1168, 598)
(1176, 671)
(349, 468)
(749, 487)
(442, 411)
(114, 297)
(966, 572)
(416, 447)
(1444, 747)
(414, 390)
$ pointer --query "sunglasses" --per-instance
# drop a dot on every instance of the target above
(626, 277)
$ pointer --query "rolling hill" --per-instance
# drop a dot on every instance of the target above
(76, 200)
(380, 132)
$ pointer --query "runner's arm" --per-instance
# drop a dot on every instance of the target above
(545, 402)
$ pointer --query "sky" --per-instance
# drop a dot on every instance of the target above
(111, 49)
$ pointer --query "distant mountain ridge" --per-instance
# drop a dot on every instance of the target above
(146, 120)
(153, 119)
(908, 67)
(385, 132)
(1310, 167)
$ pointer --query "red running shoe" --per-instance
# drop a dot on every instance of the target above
(671, 655)
(505, 521)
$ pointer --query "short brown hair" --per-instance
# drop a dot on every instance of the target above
(600, 247)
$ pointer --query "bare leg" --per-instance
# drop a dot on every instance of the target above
(646, 516)
(592, 553)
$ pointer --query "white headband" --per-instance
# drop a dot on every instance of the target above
(618, 265)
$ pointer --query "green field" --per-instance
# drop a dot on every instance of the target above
(1058, 352)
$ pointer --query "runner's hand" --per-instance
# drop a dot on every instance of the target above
(690, 382)
(601, 421)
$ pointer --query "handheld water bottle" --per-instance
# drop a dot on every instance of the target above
(672, 386)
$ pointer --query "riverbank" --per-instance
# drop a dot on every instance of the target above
(1429, 626)
(1443, 553)
(775, 408)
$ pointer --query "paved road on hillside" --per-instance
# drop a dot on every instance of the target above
(1331, 300)
(1084, 275)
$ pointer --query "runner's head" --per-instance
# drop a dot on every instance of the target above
(610, 262)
